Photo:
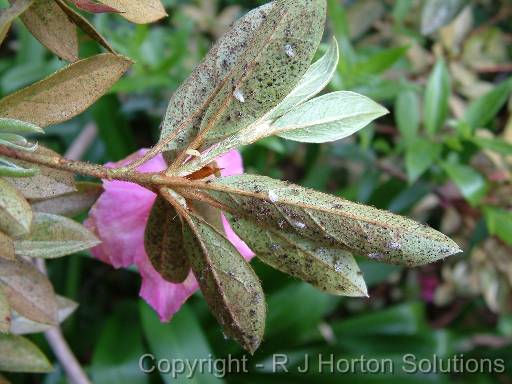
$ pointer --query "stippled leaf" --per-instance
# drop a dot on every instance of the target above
(229, 285)
(190, 101)
(140, 12)
(70, 204)
(18, 127)
(18, 354)
(55, 236)
(84, 25)
(436, 98)
(330, 220)
(5, 312)
(6, 247)
(48, 182)
(28, 291)
(8, 15)
(438, 13)
(22, 326)
(332, 270)
(50, 25)
(330, 117)
(67, 92)
(15, 212)
(163, 242)
(9, 169)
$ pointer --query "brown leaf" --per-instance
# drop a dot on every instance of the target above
(6, 247)
(5, 312)
(93, 7)
(9, 14)
(28, 291)
(140, 12)
(50, 25)
(15, 212)
(67, 92)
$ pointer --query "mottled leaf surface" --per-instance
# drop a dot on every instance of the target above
(140, 12)
(163, 241)
(55, 236)
(15, 212)
(230, 286)
(329, 269)
(6, 247)
(70, 204)
(8, 15)
(50, 25)
(5, 312)
(331, 220)
(18, 354)
(28, 291)
(67, 92)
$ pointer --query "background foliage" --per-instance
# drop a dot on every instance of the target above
(443, 156)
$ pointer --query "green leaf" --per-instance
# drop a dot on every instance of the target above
(437, 94)
(419, 157)
(15, 212)
(270, 68)
(47, 183)
(9, 169)
(55, 236)
(163, 242)
(407, 115)
(330, 220)
(499, 223)
(331, 270)
(22, 326)
(229, 285)
(5, 312)
(481, 111)
(183, 337)
(438, 13)
(18, 127)
(380, 61)
(330, 117)
(51, 26)
(18, 354)
(138, 12)
(495, 145)
(471, 183)
(314, 80)
(70, 204)
(67, 92)
(16, 142)
(6, 247)
(8, 15)
(28, 291)
(188, 104)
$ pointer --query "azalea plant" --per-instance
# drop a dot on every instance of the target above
(183, 212)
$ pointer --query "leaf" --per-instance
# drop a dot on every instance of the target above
(47, 183)
(22, 326)
(8, 15)
(230, 286)
(270, 68)
(18, 354)
(438, 13)
(50, 25)
(499, 223)
(9, 169)
(6, 247)
(495, 145)
(5, 312)
(419, 157)
(163, 242)
(140, 12)
(471, 184)
(481, 111)
(16, 142)
(18, 127)
(93, 6)
(67, 92)
(330, 117)
(330, 220)
(407, 115)
(15, 212)
(188, 104)
(70, 204)
(28, 291)
(84, 25)
(314, 80)
(436, 98)
(329, 269)
(380, 61)
(55, 236)
(3, 34)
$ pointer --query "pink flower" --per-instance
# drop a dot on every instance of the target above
(119, 218)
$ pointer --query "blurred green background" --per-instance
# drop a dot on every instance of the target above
(442, 156)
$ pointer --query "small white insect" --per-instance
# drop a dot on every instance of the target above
(393, 245)
(238, 94)
(338, 267)
(299, 225)
(273, 196)
(288, 49)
